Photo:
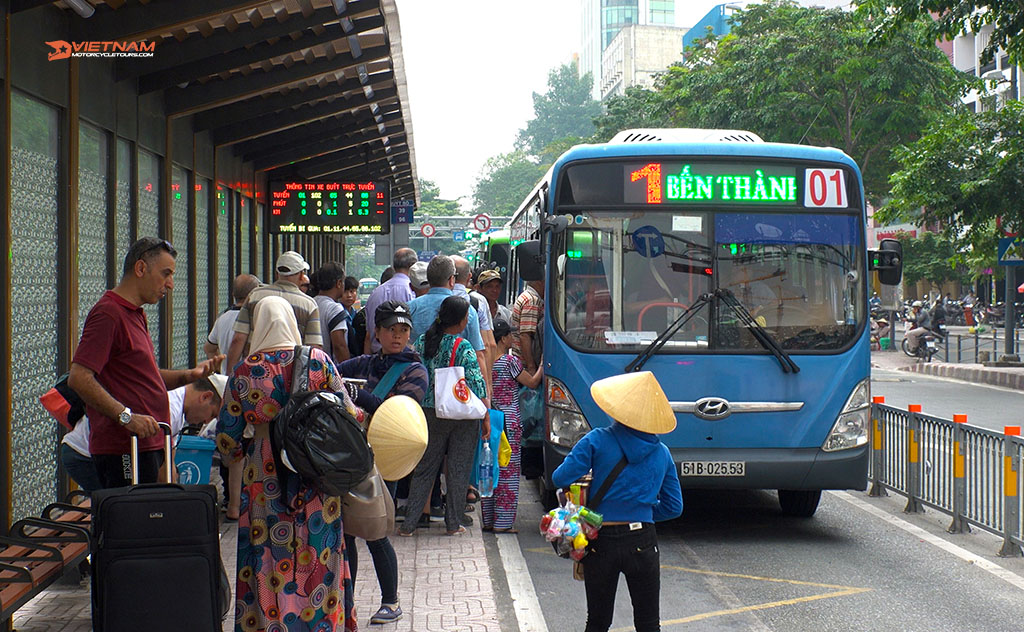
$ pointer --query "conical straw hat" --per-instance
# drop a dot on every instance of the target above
(635, 400)
(398, 436)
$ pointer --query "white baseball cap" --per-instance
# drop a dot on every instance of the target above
(220, 382)
(291, 262)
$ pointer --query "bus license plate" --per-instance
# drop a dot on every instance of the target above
(713, 468)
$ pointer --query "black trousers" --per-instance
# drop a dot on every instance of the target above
(115, 470)
(635, 554)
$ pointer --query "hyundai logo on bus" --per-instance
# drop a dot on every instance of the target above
(712, 408)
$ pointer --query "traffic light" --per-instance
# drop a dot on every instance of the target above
(887, 261)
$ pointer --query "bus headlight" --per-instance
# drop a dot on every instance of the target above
(851, 427)
(565, 421)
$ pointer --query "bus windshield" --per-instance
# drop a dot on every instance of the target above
(623, 277)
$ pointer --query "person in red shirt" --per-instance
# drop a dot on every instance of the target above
(115, 372)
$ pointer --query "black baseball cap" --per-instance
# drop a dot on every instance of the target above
(391, 313)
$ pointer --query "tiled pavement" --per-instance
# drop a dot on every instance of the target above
(444, 586)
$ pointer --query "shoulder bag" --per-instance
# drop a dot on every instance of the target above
(453, 399)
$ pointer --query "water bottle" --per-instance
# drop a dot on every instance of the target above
(486, 471)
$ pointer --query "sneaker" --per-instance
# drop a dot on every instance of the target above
(437, 514)
(466, 521)
(387, 614)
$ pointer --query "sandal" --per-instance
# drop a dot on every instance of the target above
(509, 530)
(458, 531)
(472, 495)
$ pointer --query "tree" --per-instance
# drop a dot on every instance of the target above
(565, 110)
(504, 183)
(930, 258)
(796, 74)
(945, 19)
(965, 172)
(638, 107)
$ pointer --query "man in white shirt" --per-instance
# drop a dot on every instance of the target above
(329, 283)
(223, 328)
(193, 404)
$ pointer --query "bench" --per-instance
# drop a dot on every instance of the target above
(38, 550)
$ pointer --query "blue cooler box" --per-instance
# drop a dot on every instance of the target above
(194, 458)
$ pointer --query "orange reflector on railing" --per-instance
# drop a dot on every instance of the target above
(1012, 431)
(959, 419)
(914, 408)
(878, 399)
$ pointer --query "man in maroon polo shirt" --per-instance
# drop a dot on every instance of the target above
(115, 371)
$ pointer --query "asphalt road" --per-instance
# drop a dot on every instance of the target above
(986, 406)
(733, 562)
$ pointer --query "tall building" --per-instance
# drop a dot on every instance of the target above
(636, 55)
(602, 21)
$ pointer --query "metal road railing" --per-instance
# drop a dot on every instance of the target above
(970, 348)
(969, 473)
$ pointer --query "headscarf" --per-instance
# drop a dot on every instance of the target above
(273, 325)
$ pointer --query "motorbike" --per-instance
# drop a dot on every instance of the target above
(928, 344)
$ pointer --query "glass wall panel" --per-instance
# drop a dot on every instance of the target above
(34, 192)
(180, 335)
(123, 211)
(149, 226)
(202, 263)
(223, 236)
(244, 219)
(93, 151)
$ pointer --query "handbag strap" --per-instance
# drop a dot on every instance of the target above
(300, 373)
(455, 347)
(596, 499)
(387, 382)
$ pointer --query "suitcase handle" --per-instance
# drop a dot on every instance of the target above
(168, 461)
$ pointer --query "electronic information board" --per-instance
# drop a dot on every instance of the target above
(321, 206)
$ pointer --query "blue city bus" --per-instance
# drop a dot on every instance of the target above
(734, 270)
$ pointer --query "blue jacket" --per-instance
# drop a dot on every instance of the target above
(647, 489)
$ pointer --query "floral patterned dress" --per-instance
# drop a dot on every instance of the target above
(499, 510)
(293, 572)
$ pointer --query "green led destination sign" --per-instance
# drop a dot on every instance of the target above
(322, 206)
(684, 183)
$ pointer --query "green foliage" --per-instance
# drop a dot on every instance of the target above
(565, 110)
(639, 107)
(801, 75)
(966, 171)
(432, 204)
(945, 19)
(930, 257)
(504, 182)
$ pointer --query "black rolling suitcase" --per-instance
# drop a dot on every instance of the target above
(156, 556)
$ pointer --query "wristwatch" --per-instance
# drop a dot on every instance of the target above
(125, 416)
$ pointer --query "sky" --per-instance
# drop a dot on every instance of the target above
(471, 69)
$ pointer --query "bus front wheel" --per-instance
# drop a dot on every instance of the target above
(801, 503)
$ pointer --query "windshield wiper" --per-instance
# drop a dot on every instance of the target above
(760, 333)
(641, 358)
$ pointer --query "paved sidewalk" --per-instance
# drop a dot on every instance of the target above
(1009, 377)
(444, 586)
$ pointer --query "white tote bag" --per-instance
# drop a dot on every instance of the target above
(453, 399)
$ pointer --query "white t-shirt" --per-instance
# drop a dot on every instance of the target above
(78, 439)
(329, 309)
(221, 334)
(176, 399)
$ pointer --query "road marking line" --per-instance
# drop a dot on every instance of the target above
(525, 603)
(991, 567)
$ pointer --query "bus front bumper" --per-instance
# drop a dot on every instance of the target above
(764, 468)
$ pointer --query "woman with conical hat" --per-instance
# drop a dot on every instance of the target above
(645, 491)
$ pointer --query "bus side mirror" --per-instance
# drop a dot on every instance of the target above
(556, 224)
(887, 261)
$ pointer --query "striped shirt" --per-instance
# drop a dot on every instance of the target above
(307, 314)
(525, 316)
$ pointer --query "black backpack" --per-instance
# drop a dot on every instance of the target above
(316, 437)
(357, 333)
